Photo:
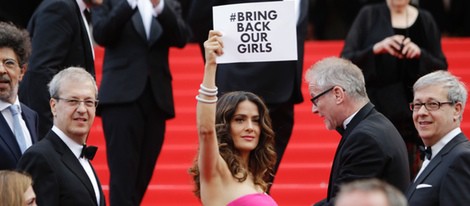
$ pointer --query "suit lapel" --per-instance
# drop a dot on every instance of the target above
(362, 114)
(89, 60)
(138, 24)
(9, 138)
(436, 161)
(69, 159)
(102, 198)
(29, 120)
(155, 31)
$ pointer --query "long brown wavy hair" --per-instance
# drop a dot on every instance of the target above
(262, 158)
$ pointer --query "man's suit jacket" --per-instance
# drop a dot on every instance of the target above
(276, 82)
(446, 179)
(370, 147)
(59, 40)
(59, 178)
(10, 152)
(130, 60)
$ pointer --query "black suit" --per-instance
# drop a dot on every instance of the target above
(446, 179)
(136, 96)
(370, 147)
(9, 149)
(59, 40)
(59, 178)
(278, 83)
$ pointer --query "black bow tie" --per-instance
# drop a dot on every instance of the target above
(88, 152)
(425, 152)
(340, 130)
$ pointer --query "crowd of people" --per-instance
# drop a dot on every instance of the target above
(388, 94)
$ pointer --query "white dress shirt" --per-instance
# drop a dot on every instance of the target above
(436, 148)
(77, 150)
(147, 11)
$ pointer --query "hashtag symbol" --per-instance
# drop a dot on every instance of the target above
(232, 17)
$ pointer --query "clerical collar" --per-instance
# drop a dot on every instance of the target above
(72, 145)
(347, 120)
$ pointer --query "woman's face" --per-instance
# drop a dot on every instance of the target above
(245, 126)
(30, 197)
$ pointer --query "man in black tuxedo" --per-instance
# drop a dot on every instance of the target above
(15, 48)
(59, 164)
(438, 106)
(370, 146)
(60, 39)
(278, 83)
(136, 95)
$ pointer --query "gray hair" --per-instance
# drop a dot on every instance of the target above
(456, 89)
(334, 71)
(70, 74)
(394, 196)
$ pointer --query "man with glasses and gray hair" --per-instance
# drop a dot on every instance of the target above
(370, 146)
(60, 162)
(438, 106)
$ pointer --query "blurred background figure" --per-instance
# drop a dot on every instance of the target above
(452, 16)
(18, 12)
(16, 189)
(136, 94)
(18, 123)
(370, 192)
(331, 19)
(394, 43)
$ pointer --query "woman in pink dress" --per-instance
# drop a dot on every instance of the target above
(236, 142)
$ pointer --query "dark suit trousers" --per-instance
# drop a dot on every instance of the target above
(134, 135)
(282, 116)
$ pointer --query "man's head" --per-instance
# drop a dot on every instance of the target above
(438, 105)
(337, 88)
(73, 102)
(15, 48)
(369, 192)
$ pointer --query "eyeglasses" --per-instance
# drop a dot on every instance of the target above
(75, 102)
(314, 99)
(9, 63)
(430, 106)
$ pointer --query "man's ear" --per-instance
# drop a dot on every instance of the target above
(23, 71)
(339, 94)
(458, 111)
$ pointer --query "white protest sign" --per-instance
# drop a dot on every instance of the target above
(257, 32)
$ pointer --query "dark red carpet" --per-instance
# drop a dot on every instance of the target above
(303, 175)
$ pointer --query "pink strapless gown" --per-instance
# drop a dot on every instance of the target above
(258, 199)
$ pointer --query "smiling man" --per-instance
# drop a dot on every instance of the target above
(59, 163)
(370, 146)
(438, 106)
